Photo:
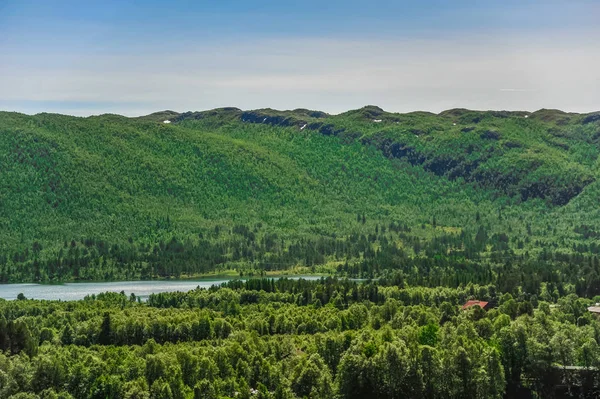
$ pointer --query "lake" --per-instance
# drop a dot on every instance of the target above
(143, 289)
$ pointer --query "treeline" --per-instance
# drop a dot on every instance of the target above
(296, 338)
(423, 256)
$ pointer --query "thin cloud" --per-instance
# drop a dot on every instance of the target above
(331, 75)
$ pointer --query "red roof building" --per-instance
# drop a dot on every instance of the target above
(471, 303)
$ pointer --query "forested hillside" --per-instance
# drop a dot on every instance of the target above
(431, 210)
(505, 198)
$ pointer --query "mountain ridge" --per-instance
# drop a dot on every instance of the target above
(450, 111)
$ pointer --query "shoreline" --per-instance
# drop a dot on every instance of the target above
(200, 277)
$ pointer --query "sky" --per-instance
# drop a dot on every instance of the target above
(137, 57)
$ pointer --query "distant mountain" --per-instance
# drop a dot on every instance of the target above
(178, 194)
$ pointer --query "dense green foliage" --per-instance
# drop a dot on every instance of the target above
(295, 338)
(498, 206)
(505, 198)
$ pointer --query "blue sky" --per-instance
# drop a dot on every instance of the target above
(136, 57)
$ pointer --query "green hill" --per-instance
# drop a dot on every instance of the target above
(462, 196)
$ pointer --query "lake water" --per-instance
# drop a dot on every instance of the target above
(76, 291)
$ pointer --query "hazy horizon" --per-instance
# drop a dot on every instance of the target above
(281, 109)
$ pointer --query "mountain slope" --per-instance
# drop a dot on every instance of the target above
(114, 197)
(546, 154)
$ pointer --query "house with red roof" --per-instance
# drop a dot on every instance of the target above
(474, 302)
